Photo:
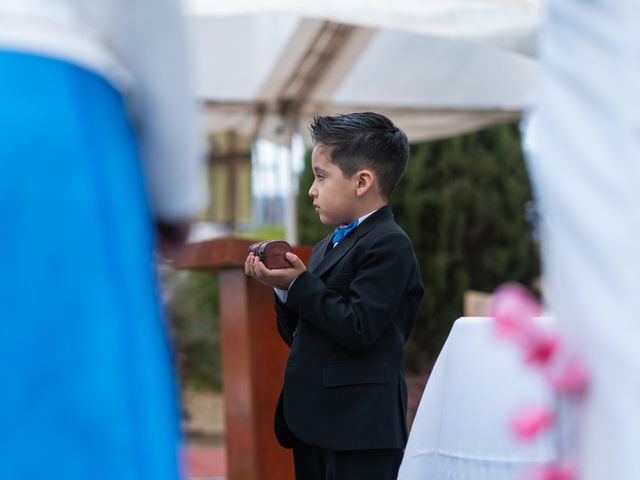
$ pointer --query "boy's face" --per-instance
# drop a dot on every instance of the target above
(333, 194)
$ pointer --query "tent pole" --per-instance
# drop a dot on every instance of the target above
(291, 207)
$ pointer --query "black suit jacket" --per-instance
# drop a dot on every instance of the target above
(346, 320)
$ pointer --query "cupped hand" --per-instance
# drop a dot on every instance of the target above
(279, 278)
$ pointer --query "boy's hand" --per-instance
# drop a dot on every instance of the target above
(280, 278)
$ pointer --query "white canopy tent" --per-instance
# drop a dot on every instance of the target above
(436, 67)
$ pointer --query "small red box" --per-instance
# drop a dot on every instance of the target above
(271, 253)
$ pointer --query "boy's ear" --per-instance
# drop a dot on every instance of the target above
(365, 180)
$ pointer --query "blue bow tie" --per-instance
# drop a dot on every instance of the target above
(342, 232)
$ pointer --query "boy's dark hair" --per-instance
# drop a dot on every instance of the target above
(364, 140)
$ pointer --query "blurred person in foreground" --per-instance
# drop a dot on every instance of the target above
(98, 152)
(585, 165)
(347, 317)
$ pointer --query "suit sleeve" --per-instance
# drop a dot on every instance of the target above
(286, 321)
(375, 295)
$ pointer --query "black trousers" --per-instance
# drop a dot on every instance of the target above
(313, 463)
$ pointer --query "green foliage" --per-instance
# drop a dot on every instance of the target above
(265, 232)
(310, 230)
(193, 310)
(462, 202)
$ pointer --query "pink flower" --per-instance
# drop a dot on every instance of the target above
(513, 309)
(552, 472)
(539, 346)
(531, 421)
(571, 377)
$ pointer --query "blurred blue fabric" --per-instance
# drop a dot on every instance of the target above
(87, 389)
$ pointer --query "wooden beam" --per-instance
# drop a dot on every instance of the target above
(253, 359)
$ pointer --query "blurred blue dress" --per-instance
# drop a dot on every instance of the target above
(87, 389)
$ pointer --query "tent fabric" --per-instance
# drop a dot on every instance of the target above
(507, 23)
(264, 68)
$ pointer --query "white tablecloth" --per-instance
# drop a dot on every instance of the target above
(462, 426)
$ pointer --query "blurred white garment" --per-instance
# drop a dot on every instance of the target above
(462, 428)
(139, 47)
(585, 166)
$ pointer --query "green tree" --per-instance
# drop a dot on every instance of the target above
(310, 230)
(462, 202)
(193, 309)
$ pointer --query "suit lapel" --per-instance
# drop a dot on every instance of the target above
(320, 264)
(319, 253)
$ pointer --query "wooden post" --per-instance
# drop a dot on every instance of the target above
(253, 360)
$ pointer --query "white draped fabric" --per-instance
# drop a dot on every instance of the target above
(461, 430)
(585, 165)
(435, 67)
(508, 23)
(145, 58)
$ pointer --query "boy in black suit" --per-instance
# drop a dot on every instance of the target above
(347, 316)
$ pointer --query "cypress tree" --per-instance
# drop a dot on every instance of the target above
(310, 229)
(462, 202)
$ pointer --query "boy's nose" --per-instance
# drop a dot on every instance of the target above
(312, 192)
